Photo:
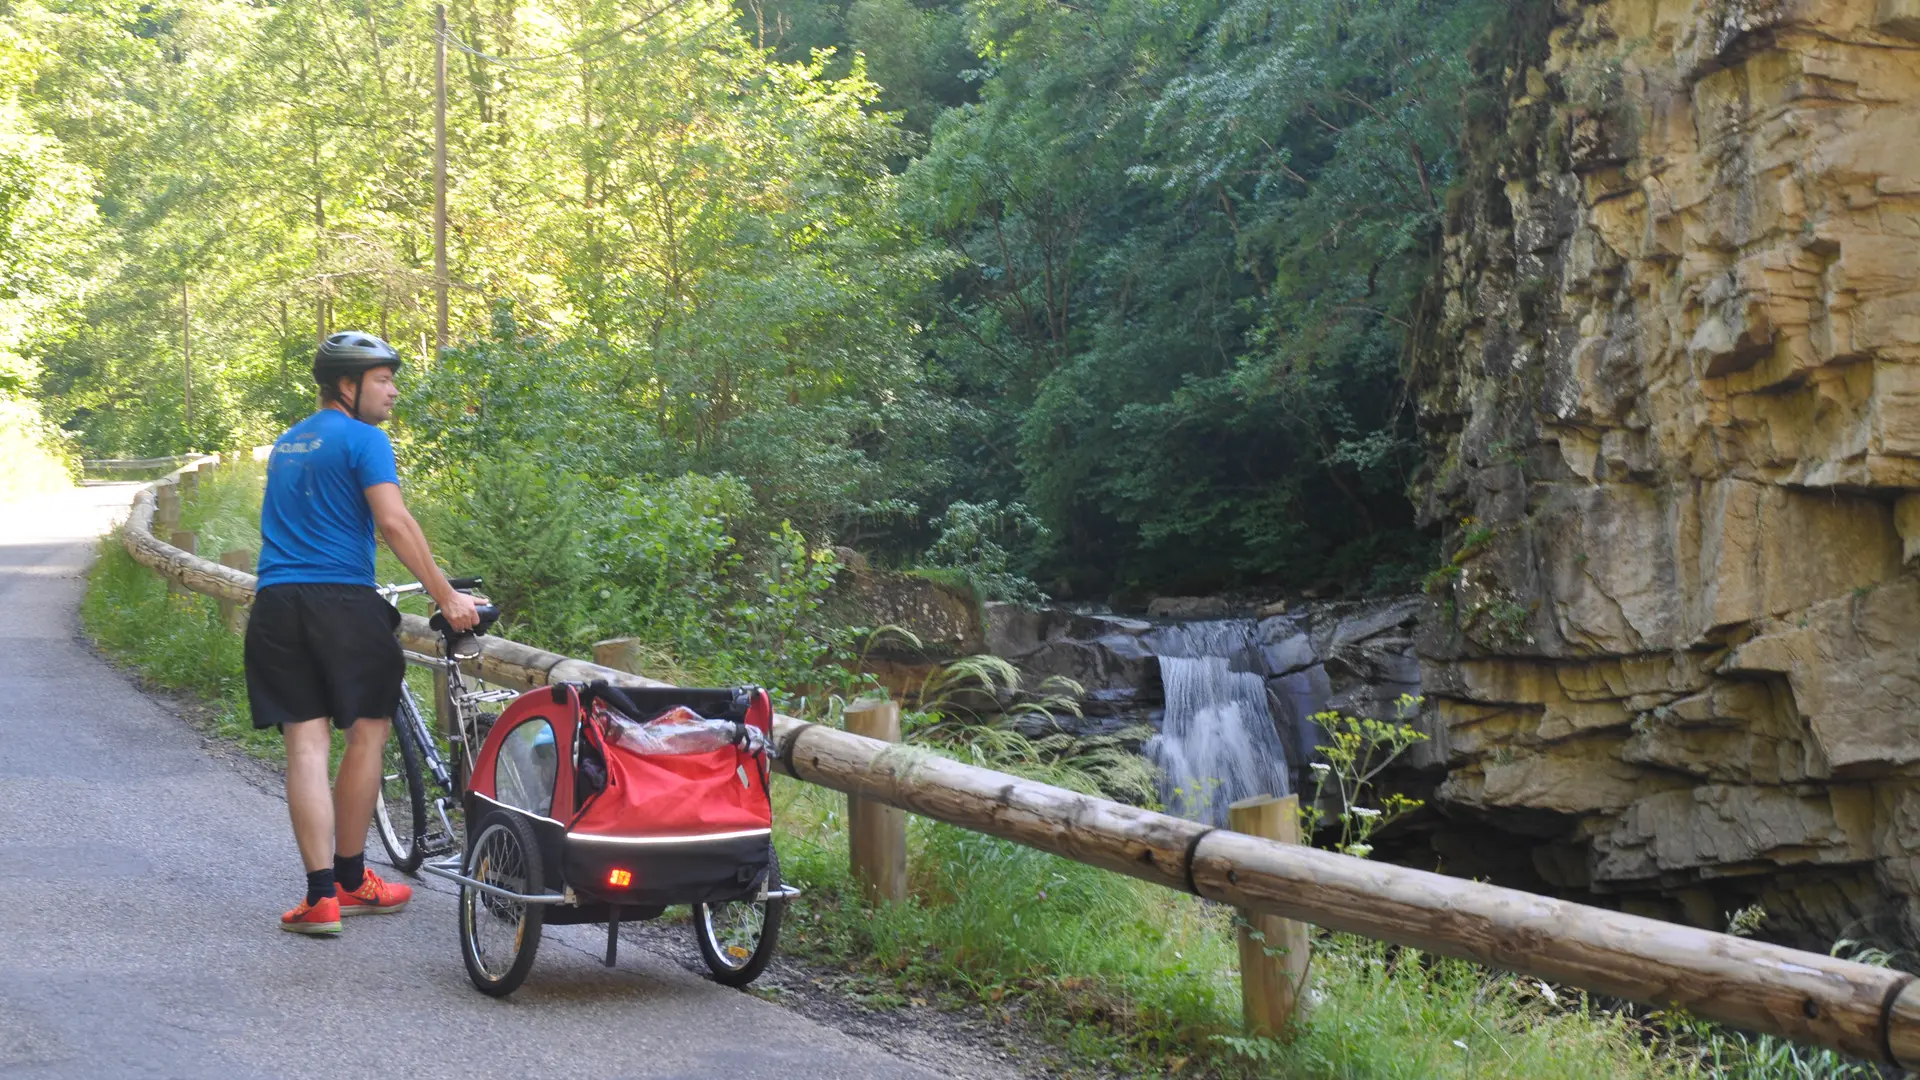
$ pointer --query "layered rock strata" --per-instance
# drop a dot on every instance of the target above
(1673, 404)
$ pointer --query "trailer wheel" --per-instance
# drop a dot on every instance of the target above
(737, 939)
(499, 935)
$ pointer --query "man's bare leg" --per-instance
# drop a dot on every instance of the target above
(309, 803)
(355, 790)
(358, 785)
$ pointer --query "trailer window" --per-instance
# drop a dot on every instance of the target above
(528, 765)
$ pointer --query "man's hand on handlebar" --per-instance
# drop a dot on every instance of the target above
(459, 609)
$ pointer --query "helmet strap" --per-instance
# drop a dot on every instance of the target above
(359, 388)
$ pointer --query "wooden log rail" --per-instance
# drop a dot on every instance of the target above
(1860, 1010)
(114, 464)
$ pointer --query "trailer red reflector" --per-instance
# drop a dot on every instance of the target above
(619, 879)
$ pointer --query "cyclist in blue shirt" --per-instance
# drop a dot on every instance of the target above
(320, 642)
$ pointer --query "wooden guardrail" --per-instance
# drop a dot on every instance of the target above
(1864, 1011)
(118, 464)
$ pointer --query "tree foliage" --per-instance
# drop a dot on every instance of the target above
(1139, 274)
(1190, 244)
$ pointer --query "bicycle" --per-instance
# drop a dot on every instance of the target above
(415, 774)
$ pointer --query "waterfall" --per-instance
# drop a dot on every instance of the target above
(1218, 743)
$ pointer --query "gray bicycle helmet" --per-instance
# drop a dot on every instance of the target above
(350, 353)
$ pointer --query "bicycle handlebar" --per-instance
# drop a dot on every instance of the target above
(460, 584)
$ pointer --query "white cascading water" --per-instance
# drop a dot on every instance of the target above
(1217, 743)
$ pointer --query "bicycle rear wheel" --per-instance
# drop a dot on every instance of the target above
(400, 814)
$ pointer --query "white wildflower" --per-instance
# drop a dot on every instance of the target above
(1320, 768)
(1365, 812)
(1359, 851)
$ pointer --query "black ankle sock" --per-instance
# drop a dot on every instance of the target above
(350, 870)
(319, 885)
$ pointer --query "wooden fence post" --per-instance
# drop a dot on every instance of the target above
(231, 613)
(189, 483)
(877, 833)
(1273, 950)
(617, 653)
(186, 540)
(166, 507)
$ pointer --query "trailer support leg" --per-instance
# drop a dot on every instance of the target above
(613, 934)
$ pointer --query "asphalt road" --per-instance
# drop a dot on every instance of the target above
(141, 882)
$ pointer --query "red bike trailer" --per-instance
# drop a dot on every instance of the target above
(565, 824)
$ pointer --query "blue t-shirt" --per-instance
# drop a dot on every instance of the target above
(315, 524)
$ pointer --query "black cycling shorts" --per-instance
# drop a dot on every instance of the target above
(322, 650)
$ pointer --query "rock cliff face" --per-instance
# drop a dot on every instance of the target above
(1673, 404)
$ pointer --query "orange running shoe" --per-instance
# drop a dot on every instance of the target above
(320, 918)
(373, 897)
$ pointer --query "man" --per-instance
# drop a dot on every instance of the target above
(320, 644)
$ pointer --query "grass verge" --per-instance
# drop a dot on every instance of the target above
(1144, 981)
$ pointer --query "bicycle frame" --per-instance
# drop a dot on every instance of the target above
(449, 777)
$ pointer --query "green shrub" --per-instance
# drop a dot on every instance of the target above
(970, 544)
(522, 527)
(663, 548)
(654, 559)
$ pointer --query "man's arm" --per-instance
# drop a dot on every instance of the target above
(410, 544)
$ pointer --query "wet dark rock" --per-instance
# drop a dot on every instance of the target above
(1340, 625)
(1297, 696)
(1285, 645)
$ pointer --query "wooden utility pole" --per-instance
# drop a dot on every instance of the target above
(186, 353)
(440, 178)
(319, 269)
(877, 833)
(1273, 950)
